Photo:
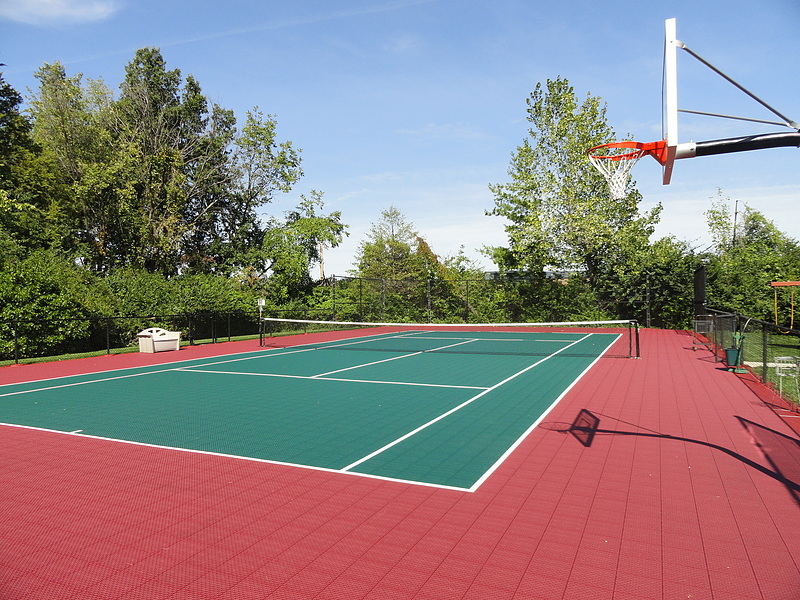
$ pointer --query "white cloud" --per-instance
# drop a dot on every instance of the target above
(403, 44)
(49, 12)
(437, 131)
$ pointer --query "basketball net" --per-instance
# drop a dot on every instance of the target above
(615, 161)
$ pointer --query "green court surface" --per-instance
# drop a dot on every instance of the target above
(436, 409)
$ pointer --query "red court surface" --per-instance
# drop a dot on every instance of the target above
(689, 490)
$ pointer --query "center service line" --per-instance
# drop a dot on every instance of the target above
(459, 407)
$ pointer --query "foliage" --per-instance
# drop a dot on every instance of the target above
(289, 249)
(24, 181)
(394, 258)
(15, 138)
(745, 257)
(389, 250)
(51, 300)
(557, 206)
(158, 179)
(153, 203)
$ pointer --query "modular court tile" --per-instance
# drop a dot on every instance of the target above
(688, 490)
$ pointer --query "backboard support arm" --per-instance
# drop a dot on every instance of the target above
(786, 120)
(737, 144)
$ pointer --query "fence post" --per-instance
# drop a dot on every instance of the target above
(108, 335)
(764, 354)
(429, 299)
(383, 299)
(14, 327)
(466, 302)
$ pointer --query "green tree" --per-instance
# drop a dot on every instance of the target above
(15, 132)
(261, 167)
(73, 126)
(652, 283)
(50, 300)
(182, 168)
(26, 181)
(745, 257)
(401, 268)
(557, 205)
(390, 249)
(290, 248)
(158, 179)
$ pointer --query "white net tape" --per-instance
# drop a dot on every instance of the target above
(616, 168)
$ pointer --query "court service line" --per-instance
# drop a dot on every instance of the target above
(459, 407)
(321, 375)
(309, 347)
(318, 378)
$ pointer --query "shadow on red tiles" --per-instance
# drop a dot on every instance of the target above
(781, 451)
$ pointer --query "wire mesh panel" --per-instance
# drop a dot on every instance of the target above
(724, 330)
(703, 332)
(787, 367)
(767, 350)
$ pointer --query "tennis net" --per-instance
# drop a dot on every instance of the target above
(529, 339)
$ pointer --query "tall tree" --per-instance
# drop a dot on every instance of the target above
(158, 179)
(390, 250)
(289, 248)
(748, 252)
(24, 179)
(181, 148)
(15, 132)
(262, 167)
(73, 126)
(557, 205)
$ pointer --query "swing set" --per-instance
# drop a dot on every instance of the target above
(775, 285)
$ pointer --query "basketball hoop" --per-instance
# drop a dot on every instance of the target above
(616, 159)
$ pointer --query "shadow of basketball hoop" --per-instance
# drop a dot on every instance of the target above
(781, 451)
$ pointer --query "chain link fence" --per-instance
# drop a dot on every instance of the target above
(769, 351)
(492, 299)
(91, 335)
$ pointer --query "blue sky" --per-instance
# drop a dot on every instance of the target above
(420, 103)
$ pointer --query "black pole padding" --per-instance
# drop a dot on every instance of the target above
(700, 298)
(749, 142)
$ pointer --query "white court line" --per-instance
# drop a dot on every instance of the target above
(319, 378)
(103, 379)
(473, 488)
(460, 406)
(261, 354)
(253, 354)
(535, 424)
(66, 385)
(394, 358)
(485, 339)
(78, 433)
